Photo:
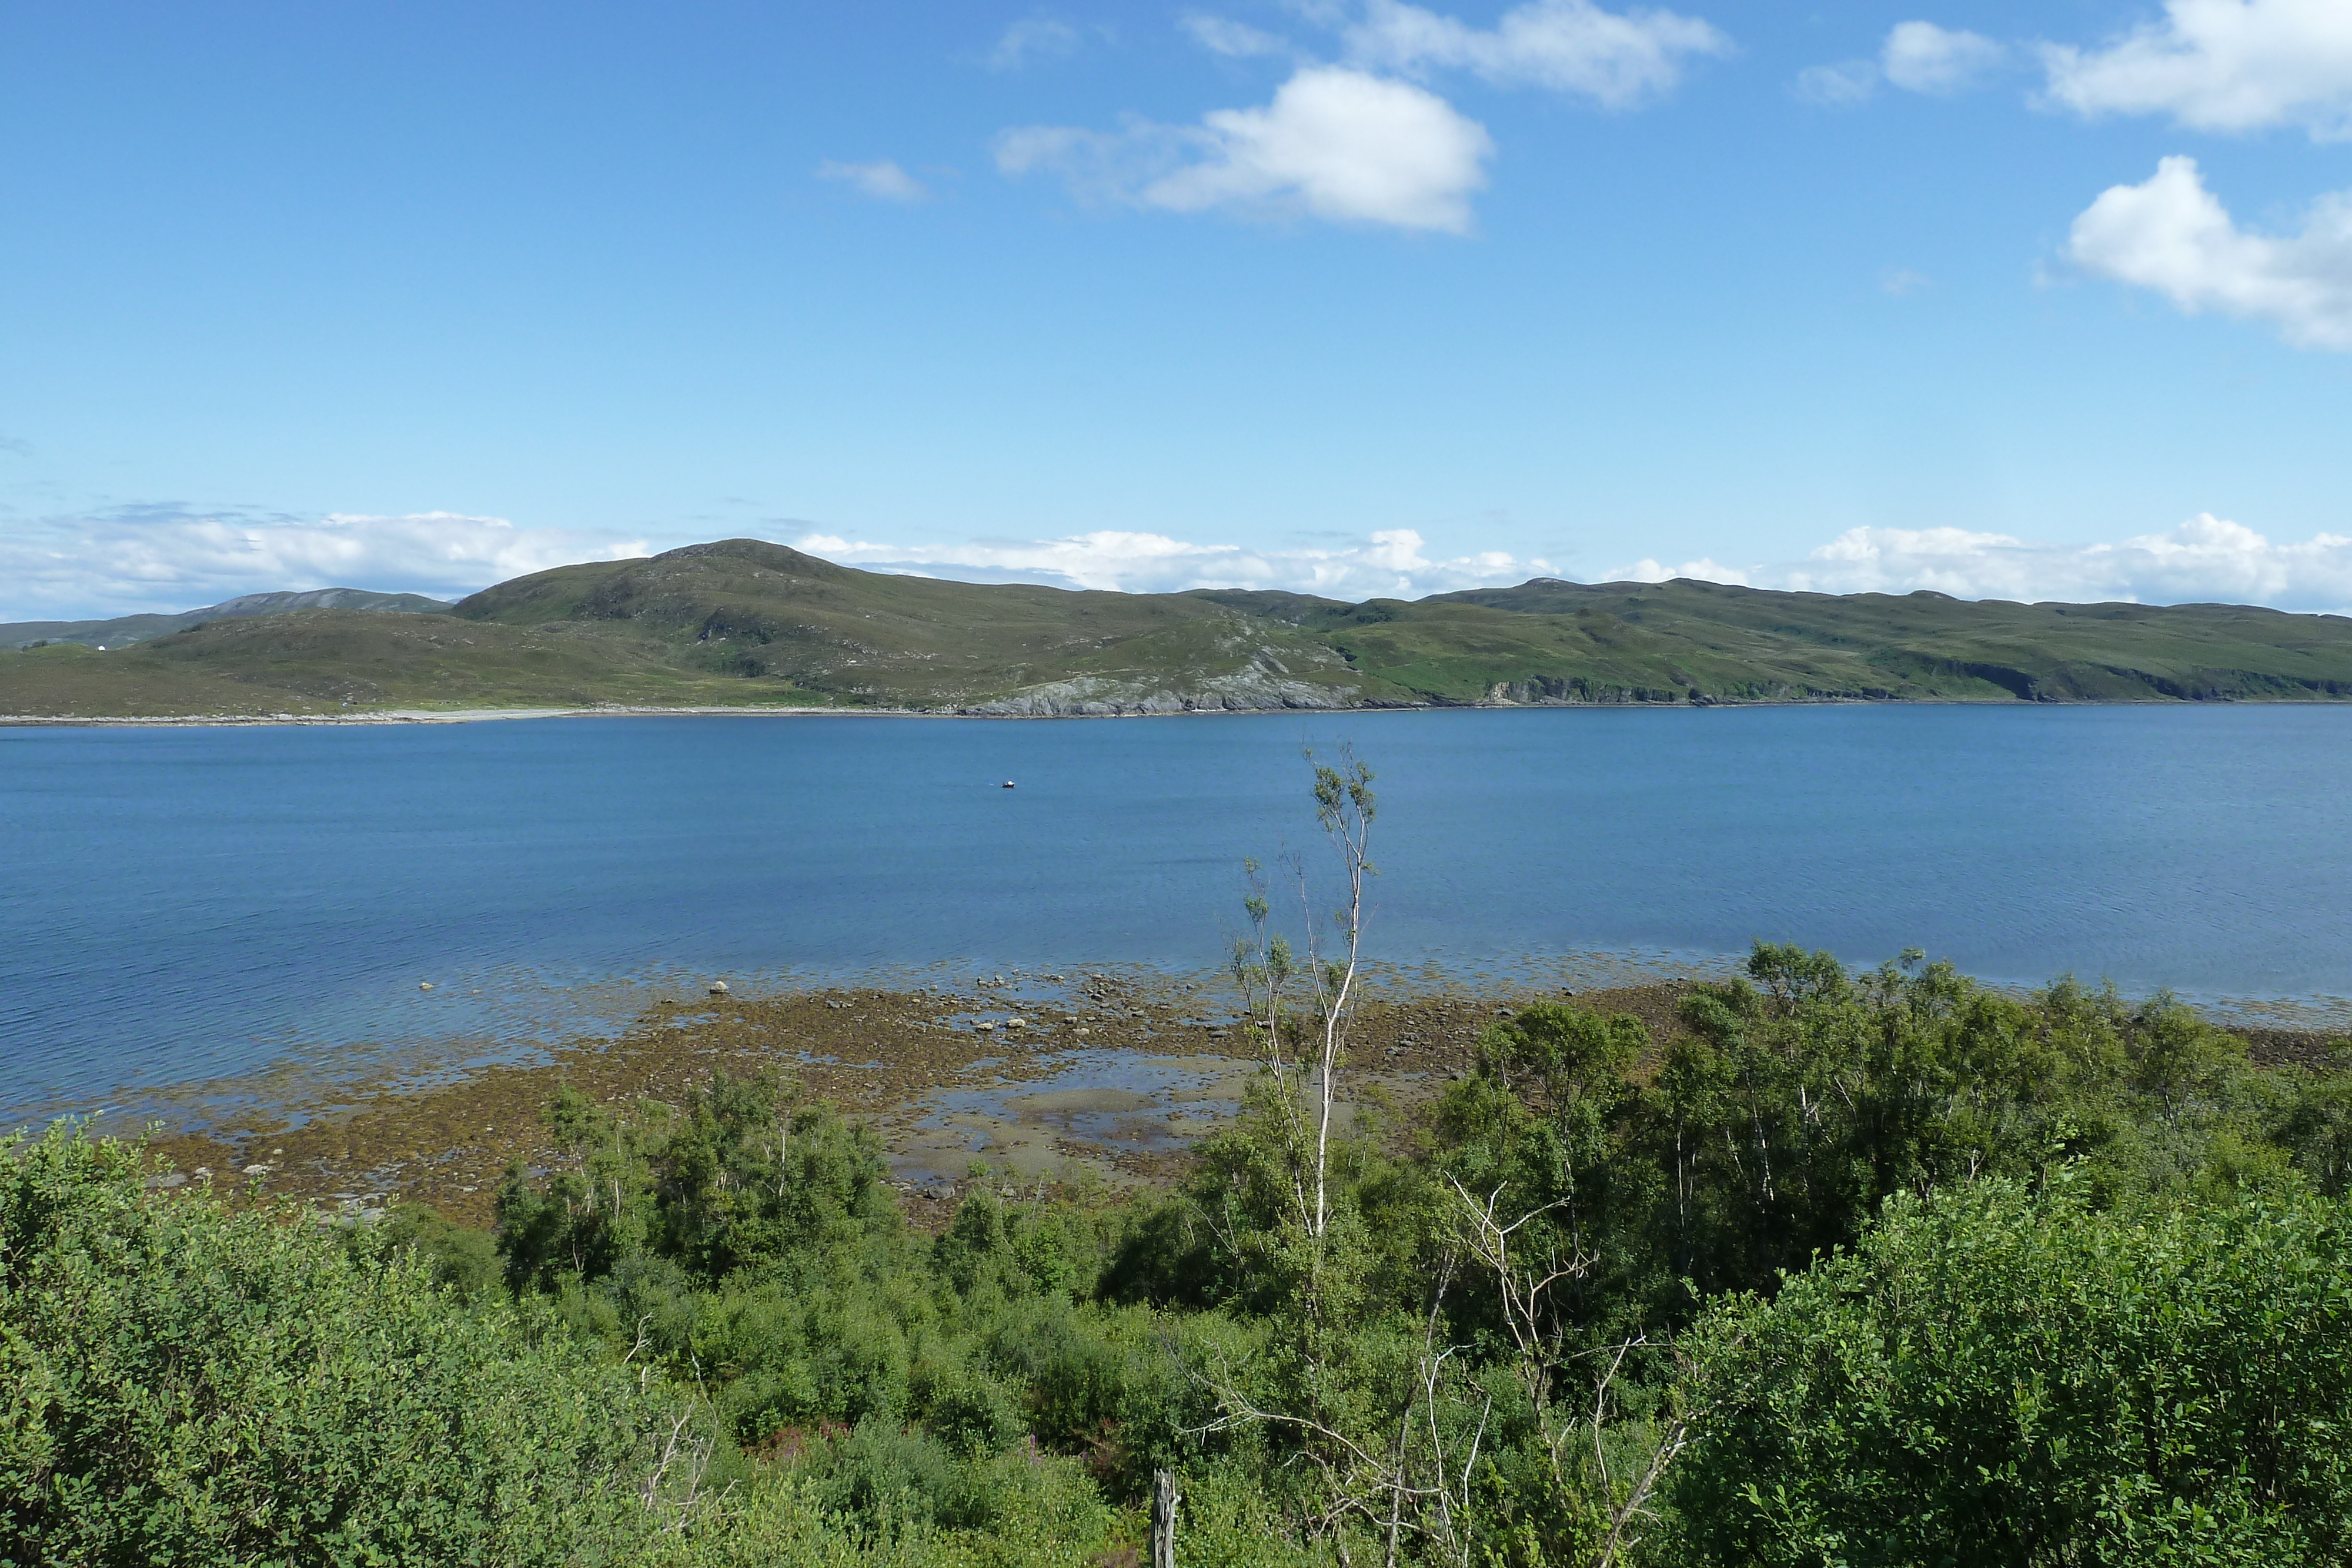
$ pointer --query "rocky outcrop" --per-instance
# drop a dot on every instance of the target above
(1095, 698)
(1579, 691)
(1266, 683)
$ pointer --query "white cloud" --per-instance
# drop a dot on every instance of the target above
(1572, 45)
(2205, 560)
(2220, 65)
(1033, 38)
(1098, 165)
(1388, 564)
(884, 181)
(2171, 234)
(1340, 145)
(1901, 282)
(141, 558)
(1336, 144)
(1839, 85)
(1349, 143)
(1236, 41)
(168, 558)
(1920, 57)
(1917, 56)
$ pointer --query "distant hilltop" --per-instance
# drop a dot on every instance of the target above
(743, 623)
(125, 630)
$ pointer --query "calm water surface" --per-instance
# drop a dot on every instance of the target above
(186, 905)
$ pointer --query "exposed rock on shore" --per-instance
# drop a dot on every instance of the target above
(1264, 686)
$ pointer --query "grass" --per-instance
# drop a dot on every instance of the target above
(762, 611)
(1556, 639)
(744, 624)
(337, 661)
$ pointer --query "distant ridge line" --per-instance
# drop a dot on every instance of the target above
(749, 623)
(123, 629)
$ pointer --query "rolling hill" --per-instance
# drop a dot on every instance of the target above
(743, 623)
(1549, 640)
(124, 630)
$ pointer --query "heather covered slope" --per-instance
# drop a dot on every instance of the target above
(2057, 651)
(744, 624)
(343, 661)
(739, 623)
(1626, 640)
(124, 630)
(765, 612)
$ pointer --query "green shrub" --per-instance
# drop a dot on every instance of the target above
(1042, 1513)
(965, 1407)
(2140, 1358)
(458, 1257)
(181, 1383)
(1996, 1376)
(890, 1478)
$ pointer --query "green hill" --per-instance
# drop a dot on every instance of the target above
(1549, 640)
(765, 613)
(744, 624)
(124, 630)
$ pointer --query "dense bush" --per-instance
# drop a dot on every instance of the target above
(1997, 1374)
(1804, 1097)
(183, 1384)
(1878, 1267)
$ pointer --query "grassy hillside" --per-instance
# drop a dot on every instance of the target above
(747, 609)
(337, 661)
(1549, 640)
(124, 630)
(741, 623)
(1933, 641)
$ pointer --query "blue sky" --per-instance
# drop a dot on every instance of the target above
(2048, 301)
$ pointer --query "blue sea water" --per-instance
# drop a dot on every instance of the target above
(187, 905)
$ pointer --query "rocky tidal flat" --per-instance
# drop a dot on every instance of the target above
(1070, 1080)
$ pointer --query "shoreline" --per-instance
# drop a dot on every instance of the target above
(528, 1019)
(491, 714)
(330, 1076)
(1107, 1080)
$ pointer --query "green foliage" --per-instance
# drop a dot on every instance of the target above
(1997, 1375)
(458, 1258)
(588, 1217)
(740, 1184)
(2313, 1126)
(181, 1383)
(1804, 1097)
(1903, 1261)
